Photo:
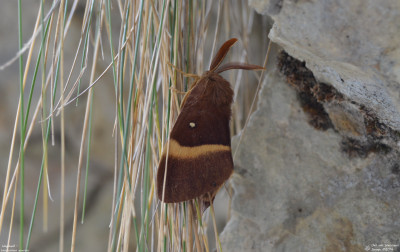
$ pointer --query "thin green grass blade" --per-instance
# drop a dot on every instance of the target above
(188, 60)
(90, 114)
(88, 155)
(26, 119)
(38, 187)
(84, 50)
(22, 130)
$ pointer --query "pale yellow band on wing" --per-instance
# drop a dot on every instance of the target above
(178, 151)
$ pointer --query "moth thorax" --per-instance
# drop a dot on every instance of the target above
(219, 90)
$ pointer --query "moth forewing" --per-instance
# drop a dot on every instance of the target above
(199, 158)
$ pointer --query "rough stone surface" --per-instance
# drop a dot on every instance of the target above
(318, 166)
(297, 190)
(352, 45)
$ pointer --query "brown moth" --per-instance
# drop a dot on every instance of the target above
(199, 154)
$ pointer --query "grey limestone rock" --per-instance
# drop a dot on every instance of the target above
(318, 165)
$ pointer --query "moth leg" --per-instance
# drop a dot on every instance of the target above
(189, 75)
(207, 199)
(177, 90)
